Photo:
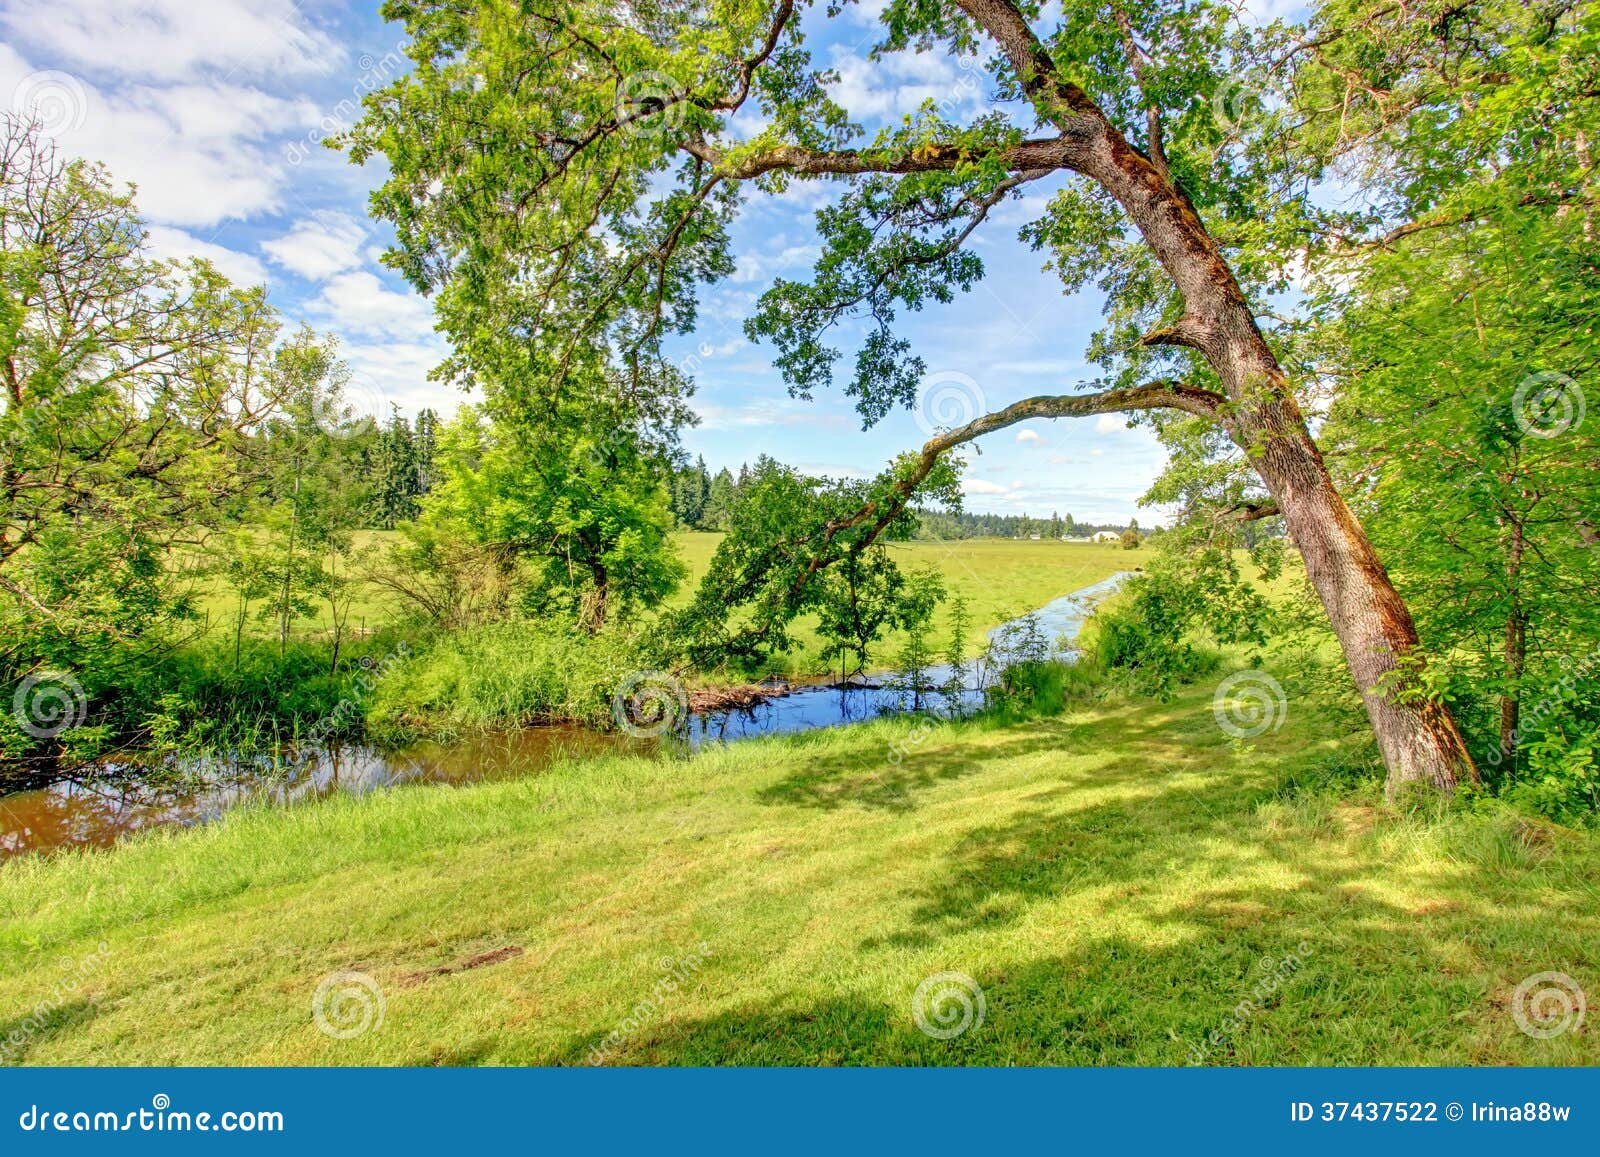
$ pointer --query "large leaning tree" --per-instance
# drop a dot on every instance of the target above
(563, 173)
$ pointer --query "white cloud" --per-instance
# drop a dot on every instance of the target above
(831, 470)
(174, 244)
(761, 267)
(396, 373)
(1110, 423)
(198, 154)
(173, 39)
(358, 303)
(899, 83)
(980, 486)
(319, 246)
(764, 413)
(1029, 436)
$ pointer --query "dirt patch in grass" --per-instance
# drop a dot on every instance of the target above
(481, 960)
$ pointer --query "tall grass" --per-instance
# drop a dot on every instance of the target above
(503, 675)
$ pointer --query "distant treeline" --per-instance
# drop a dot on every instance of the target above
(701, 500)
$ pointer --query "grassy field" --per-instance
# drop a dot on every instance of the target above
(1001, 579)
(1121, 882)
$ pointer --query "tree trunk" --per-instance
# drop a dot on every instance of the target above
(1514, 649)
(1418, 738)
(1416, 734)
(597, 605)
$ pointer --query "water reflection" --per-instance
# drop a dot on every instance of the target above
(98, 810)
(825, 706)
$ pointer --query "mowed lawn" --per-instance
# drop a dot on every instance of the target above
(1120, 883)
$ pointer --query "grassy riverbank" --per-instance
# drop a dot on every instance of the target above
(1121, 881)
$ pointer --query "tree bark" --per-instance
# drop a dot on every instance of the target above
(1514, 648)
(597, 604)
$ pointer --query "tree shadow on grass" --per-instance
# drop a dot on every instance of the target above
(1220, 926)
(1319, 976)
(895, 784)
(22, 1034)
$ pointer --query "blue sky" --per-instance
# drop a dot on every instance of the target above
(214, 109)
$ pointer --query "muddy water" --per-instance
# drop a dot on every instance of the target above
(98, 810)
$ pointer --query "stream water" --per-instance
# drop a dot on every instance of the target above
(97, 809)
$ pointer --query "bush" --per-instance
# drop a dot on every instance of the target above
(201, 698)
(1159, 627)
(504, 675)
(1557, 773)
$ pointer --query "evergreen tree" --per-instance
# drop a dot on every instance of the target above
(720, 501)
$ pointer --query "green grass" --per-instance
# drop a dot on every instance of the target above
(1001, 578)
(1113, 878)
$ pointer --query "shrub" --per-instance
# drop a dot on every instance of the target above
(1557, 773)
(504, 675)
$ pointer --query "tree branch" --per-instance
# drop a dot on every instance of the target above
(1163, 395)
(1038, 156)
